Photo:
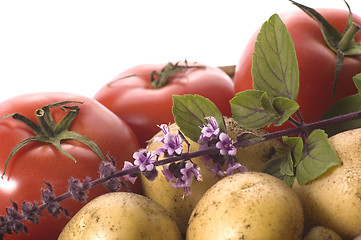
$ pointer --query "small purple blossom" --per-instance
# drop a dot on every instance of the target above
(217, 170)
(129, 177)
(182, 175)
(144, 160)
(169, 176)
(172, 144)
(189, 172)
(209, 131)
(234, 166)
(225, 145)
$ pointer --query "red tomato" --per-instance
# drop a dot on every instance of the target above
(316, 64)
(131, 97)
(37, 162)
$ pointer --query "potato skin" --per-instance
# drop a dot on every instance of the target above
(322, 233)
(334, 199)
(121, 215)
(250, 205)
(161, 191)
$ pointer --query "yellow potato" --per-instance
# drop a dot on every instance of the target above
(334, 199)
(121, 215)
(161, 191)
(250, 205)
(322, 233)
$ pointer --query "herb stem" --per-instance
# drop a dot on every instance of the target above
(302, 128)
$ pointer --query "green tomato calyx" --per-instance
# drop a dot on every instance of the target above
(47, 131)
(343, 44)
(159, 79)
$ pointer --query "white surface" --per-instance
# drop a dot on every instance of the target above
(79, 45)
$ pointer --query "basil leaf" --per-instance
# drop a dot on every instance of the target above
(246, 139)
(318, 156)
(189, 113)
(288, 158)
(346, 105)
(274, 61)
(296, 146)
(252, 109)
(285, 108)
(286, 167)
(277, 168)
(273, 166)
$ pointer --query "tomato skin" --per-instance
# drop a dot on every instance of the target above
(143, 108)
(38, 162)
(316, 64)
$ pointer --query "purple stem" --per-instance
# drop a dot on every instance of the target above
(303, 128)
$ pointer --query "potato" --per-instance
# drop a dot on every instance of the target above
(249, 205)
(121, 215)
(334, 199)
(161, 191)
(322, 233)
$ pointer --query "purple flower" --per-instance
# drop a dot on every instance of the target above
(129, 177)
(235, 167)
(144, 160)
(217, 170)
(169, 176)
(209, 131)
(172, 144)
(181, 175)
(225, 145)
(189, 171)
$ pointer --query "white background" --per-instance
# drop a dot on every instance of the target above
(79, 45)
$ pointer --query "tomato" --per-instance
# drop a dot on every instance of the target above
(316, 64)
(131, 97)
(39, 162)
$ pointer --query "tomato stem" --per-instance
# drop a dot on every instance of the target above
(348, 37)
(47, 131)
(159, 79)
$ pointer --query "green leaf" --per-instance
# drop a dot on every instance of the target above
(357, 81)
(286, 167)
(273, 166)
(318, 156)
(274, 61)
(283, 166)
(346, 105)
(285, 108)
(296, 146)
(277, 168)
(189, 113)
(246, 139)
(252, 109)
